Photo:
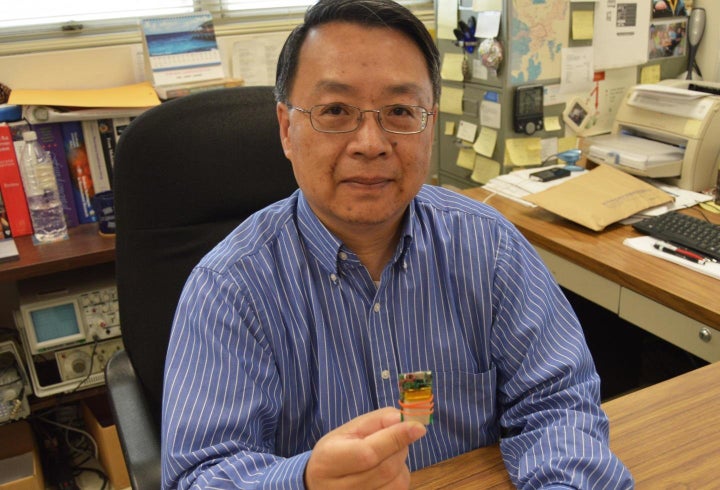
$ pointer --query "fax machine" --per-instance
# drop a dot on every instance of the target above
(669, 130)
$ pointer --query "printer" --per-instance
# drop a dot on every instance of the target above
(668, 131)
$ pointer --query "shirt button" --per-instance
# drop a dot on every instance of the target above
(343, 256)
(404, 265)
(377, 307)
(385, 374)
(333, 277)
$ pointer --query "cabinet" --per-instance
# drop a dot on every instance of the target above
(533, 35)
(84, 251)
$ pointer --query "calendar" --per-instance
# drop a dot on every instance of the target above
(181, 49)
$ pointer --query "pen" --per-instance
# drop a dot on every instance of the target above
(680, 252)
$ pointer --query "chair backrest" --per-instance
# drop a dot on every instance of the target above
(186, 173)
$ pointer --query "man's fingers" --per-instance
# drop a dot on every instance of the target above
(395, 438)
(369, 423)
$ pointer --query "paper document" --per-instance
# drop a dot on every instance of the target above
(600, 197)
(671, 100)
(645, 244)
(517, 185)
(633, 151)
(682, 199)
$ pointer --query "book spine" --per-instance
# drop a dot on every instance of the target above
(51, 138)
(81, 179)
(119, 125)
(106, 130)
(96, 158)
(5, 231)
(11, 186)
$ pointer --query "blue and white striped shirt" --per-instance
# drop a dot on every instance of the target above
(281, 335)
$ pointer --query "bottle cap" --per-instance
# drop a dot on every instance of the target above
(29, 136)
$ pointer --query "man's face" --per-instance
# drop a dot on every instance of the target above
(366, 177)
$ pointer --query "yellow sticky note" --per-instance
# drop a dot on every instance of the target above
(449, 128)
(485, 142)
(692, 127)
(466, 158)
(650, 74)
(566, 143)
(452, 67)
(485, 169)
(523, 152)
(582, 25)
(551, 123)
(451, 100)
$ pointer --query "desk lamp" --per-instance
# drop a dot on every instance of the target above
(570, 157)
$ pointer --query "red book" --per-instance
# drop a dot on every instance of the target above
(11, 186)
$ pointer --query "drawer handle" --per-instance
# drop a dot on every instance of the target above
(705, 334)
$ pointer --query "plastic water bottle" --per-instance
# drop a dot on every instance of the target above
(41, 191)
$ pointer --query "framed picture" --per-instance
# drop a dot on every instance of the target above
(667, 38)
(668, 8)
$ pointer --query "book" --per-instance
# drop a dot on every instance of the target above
(96, 156)
(11, 186)
(119, 125)
(106, 129)
(81, 178)
(5, 231)
(181, 90)
(181, 49)
(50, 137)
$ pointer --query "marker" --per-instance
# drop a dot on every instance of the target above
(680, 252)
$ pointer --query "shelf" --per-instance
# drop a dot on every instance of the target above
(84, 248)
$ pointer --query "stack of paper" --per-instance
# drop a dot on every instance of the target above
(640, 156)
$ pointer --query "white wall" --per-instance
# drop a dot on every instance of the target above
(102, 67)
(709, 52)
(119, 65)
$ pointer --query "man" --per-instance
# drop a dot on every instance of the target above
(291, 334)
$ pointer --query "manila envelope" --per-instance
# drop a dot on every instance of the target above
(600, 197)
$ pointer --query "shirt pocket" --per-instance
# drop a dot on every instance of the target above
(466, 408)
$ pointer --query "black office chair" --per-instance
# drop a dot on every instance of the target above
(186, 173)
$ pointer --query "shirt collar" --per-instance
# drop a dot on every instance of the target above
(326, 247)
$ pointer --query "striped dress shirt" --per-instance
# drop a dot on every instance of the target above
(281, 335)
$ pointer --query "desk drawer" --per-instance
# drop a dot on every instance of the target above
(581, 281)
(668, 324)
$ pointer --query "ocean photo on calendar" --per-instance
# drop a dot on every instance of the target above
(179, 35)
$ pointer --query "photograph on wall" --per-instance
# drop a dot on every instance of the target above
(668, 8)
(667, 38)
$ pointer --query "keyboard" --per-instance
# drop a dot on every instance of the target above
(684, 230)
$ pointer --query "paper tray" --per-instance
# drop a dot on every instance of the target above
(638, 156)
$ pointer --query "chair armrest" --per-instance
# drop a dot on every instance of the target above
(138, 432)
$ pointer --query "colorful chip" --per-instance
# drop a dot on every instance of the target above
(416, 396)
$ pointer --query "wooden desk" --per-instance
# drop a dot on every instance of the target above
(668, 435)
(666, 299)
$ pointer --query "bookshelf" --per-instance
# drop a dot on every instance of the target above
(84, 248)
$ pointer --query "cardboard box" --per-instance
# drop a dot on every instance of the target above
(100, 424)
(20, 459)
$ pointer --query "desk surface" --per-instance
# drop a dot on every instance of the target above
(683, 290)
(668, 435)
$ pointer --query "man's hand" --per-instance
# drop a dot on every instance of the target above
(369, 452)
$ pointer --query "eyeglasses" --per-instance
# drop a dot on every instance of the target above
(344, 118)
